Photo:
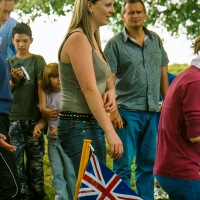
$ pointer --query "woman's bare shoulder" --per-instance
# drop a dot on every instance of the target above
(76, 44)
(77, 39)
(76, 33)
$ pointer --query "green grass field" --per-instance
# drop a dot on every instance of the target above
(47, 177)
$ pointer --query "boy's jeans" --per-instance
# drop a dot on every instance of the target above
(30, 172)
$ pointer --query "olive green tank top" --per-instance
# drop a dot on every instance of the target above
(72, 97)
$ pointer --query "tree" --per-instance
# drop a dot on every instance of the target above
(177, 16)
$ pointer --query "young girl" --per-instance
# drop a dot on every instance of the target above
(62, 169)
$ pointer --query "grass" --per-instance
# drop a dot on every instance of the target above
(47, 176)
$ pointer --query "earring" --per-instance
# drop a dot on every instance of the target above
(90, 11)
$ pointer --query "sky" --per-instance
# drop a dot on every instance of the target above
(47, 37)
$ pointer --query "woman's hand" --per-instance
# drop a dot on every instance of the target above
(5, 145)
(115, 144)
(109, 101)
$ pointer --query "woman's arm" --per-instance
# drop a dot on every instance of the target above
(109, 96)
(111, 105)
(191, 109)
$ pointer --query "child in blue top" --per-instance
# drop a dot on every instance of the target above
(62, 169)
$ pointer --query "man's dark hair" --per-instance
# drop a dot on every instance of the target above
(132, 1)
(22, 28)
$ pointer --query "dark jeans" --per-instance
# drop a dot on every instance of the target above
(9, 181)
(72, 134)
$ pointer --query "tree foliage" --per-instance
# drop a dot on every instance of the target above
(177, 16)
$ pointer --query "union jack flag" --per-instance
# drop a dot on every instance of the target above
(99, 182)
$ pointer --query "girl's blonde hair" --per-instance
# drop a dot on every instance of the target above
(50, 70)
(196, 45)
(81, 19)
(2, 5)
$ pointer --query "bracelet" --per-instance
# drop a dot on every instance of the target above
(115, 118)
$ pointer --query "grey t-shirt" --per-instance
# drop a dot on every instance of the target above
(25, 96)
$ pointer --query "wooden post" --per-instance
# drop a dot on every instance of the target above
(83, 164)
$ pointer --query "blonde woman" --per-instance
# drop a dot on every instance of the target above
(177, 163)
(9, 187)
(87, 96)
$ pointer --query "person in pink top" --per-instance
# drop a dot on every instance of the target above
(177, 166)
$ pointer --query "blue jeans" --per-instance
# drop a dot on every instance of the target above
(139, 141)
(64, 179)
(180, 189)
(72, 134)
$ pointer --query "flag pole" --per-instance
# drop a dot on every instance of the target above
(83, 164)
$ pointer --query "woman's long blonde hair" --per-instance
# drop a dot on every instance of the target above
(196, 45)
(81, 18)
(2, 5)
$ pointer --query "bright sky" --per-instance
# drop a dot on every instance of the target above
(48, 37)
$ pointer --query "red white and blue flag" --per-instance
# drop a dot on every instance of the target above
(99, 182)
